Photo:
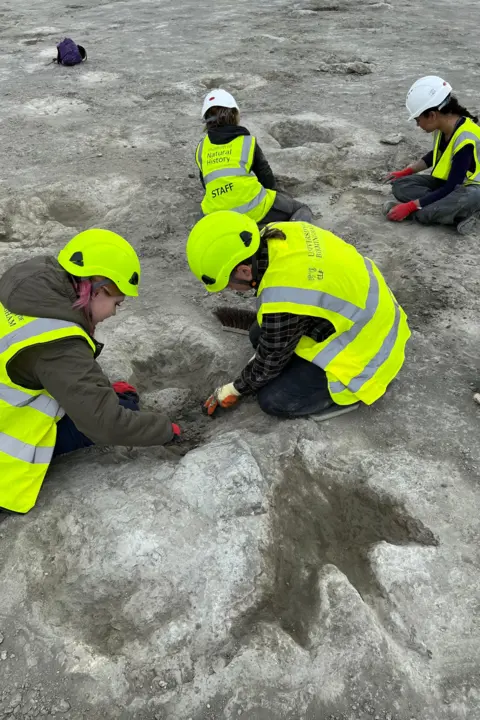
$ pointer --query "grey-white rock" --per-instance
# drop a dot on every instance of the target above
(62, 706)
(283, 568)
(394, 139)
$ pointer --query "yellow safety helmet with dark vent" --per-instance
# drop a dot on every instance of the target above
(218, 243)
(104, 253)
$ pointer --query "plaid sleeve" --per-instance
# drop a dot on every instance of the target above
(279, 336)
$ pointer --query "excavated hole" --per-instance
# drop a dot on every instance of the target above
(70, 213)
(316, 521)
(233, 81)
(294, 133)
(173, 375)
(6, 230)
(101, 622)
(316, 7)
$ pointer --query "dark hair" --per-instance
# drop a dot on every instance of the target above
(270, 232)
(452, 107)
(220, 116)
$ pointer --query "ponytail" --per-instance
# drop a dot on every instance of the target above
(453, 107)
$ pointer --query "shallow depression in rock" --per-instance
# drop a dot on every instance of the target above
(295, 132)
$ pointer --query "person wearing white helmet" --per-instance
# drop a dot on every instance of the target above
(450, 195)
(234, 171)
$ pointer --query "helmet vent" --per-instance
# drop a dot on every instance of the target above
(246, 238)
(134, 279)
(208, 280)
(77, 258)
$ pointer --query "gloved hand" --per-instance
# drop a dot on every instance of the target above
(225, 396)
(400, 212)
(123, 388)
(176, 429)
(396, 174)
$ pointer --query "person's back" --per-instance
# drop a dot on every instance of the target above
(55, 397)
(233, 169)
(227, 159)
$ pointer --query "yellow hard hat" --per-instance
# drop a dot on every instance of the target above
(102, 252)
(218, 243)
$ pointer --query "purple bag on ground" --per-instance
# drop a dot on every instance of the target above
(69, 53)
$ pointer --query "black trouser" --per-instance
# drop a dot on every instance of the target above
(450, 210)
(300, 389)
(286, 208)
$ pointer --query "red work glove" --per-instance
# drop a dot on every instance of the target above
(396, 174)
(121, 387)
(176, 429)
(400, 212)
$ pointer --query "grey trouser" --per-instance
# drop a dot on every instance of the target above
(450, 210)
(286, 208)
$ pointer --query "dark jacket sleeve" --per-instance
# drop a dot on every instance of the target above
(67, 370)
(279, 336)
(262, 169)
(428, 159)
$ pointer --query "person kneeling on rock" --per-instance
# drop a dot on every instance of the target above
(330, 333)
(233, 170)
(451, 194)
(54, 397)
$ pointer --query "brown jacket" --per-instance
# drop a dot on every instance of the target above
(66, 368)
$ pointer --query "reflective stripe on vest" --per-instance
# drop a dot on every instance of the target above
(24, 451)
(314, 298)
(247, 207)
(230, 183)
(468, 133)
(18, 398)
(462, 138)
(242, 170)
(32, 329)
(360, 319)
(313, 273)
(28, 417)
(369, 371)
(359, 316)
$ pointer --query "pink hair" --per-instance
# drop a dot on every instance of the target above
(83, 289)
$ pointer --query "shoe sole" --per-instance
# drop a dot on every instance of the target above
(332, 412)
(386, 207)
(466, 226)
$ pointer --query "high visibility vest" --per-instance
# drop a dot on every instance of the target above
(467, 134)
(315, 273)
(229, 182)
(28, 418)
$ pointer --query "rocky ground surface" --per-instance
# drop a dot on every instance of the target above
(262, 569)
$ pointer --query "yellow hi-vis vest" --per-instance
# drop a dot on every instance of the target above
(229, 182)
(467, 134)
(28, 418)
(315, 273)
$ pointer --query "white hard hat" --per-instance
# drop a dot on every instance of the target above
(428, 92)
(218, 98)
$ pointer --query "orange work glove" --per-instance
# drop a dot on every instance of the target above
(225, 396)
